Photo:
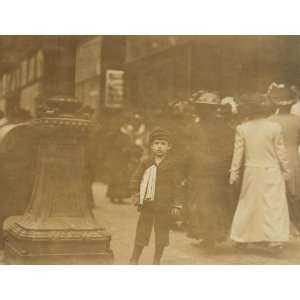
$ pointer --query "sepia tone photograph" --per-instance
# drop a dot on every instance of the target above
(149, 150)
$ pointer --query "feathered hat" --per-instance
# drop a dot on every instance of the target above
(230, 101)
(208, 98)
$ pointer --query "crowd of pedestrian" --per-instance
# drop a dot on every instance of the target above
(230, 165)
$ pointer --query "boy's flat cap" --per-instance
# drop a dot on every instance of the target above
(159, 134)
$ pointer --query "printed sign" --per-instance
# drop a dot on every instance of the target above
(114, 88)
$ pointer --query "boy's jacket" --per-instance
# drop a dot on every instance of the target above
(168, 187)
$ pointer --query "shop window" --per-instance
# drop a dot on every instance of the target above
(8, 82)
(39, 64)
(29, 96)
(18, 78)
(24, 67)
(4, 84)
(13, 82)
(31, 70)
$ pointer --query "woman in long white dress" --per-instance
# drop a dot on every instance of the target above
(260, 159)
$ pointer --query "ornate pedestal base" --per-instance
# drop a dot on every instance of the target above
(58, 226)
(37, 246)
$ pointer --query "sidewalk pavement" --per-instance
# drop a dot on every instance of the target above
(120, 221)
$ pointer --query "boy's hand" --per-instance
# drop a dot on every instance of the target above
(175, 212)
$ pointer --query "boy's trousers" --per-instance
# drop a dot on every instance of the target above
(151, 217)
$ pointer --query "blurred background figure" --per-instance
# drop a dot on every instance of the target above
(284, 99)
(227, 114)
(296, 107)
(140, 133)
(121, 159)
(207, 178)
(177, 118)
(93, 146)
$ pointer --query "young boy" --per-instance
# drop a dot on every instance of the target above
(157, 192)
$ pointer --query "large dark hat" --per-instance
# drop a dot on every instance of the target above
(254, 103)
(159, 134)
(280, 95)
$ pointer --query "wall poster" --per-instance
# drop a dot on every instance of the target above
(114, 88)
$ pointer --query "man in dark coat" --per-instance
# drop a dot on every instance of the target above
(208, 193)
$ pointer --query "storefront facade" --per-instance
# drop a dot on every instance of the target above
(169, 68)
(44, 69)
(99, 74)
(157, 70)
(88, 71)
(110, 73)
(22, 85)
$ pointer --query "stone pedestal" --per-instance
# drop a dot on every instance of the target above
(58, 226)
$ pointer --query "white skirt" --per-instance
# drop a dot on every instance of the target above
(262, 213)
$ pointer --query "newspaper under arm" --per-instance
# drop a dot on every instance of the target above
(147, 186)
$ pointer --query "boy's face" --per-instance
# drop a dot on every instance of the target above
(160, 147)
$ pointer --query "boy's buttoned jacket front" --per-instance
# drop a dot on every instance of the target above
(168, 188)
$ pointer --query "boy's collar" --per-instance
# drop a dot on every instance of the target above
(164, 158)
(158, 160)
